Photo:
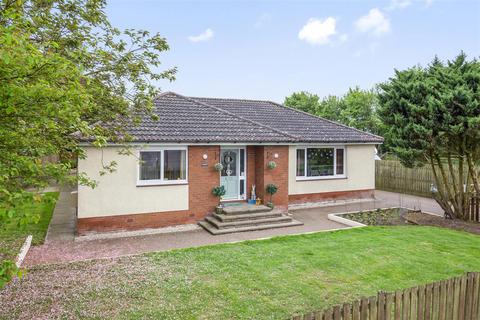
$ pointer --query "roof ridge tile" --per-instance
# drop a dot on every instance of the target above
(231, 99)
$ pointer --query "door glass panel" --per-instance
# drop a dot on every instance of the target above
(242, 162)
(242, 188)
(229, 161)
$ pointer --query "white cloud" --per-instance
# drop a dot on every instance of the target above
(204, 36)
(318, 31)
(375, 22)
(398, 4)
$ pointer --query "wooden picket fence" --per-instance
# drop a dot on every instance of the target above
(454, 299)
(474, 209)
(391, 175)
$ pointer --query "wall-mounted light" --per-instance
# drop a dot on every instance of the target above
(275, 155)
(205, 156)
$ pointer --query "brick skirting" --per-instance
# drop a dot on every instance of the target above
(135, 221)
(326, 196)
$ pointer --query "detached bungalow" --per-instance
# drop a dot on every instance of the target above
(170, 180)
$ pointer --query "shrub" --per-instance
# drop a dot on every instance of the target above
(271, 190)
(219, 192)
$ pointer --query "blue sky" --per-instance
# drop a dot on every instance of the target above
(267, 49)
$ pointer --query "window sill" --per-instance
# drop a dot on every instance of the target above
(320, 178)
(161, 183)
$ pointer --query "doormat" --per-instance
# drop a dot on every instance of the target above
(233, 204)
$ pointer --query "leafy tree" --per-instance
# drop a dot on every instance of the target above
(360, 110)
(357, 108)
(65, 72)
(432, 115)
(331, 108)
(303, 101)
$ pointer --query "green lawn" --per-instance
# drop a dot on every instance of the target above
(12, 236)
(267, 279)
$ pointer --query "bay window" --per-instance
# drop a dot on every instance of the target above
(163, 166)
(320, 162)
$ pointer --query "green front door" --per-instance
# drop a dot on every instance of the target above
(230, 176)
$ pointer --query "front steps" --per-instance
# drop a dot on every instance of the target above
(245, 217)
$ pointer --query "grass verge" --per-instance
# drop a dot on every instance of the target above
(265, 279)
(12, 236)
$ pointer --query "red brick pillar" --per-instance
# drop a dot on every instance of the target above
(201, 179)
(277, 176)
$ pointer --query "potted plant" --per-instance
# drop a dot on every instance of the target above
(271, 190)
(271, 165)
(219, 192)
(218, 166)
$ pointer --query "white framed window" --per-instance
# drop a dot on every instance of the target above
(163, 166)
(320, 163)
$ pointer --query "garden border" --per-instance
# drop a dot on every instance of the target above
(23, 251)
(337, 216)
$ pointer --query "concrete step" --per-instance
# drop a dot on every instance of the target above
(244, 223)
(247, 216)
(245, 209)
(213, 230)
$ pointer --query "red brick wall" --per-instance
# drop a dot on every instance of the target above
(277, 176)
(134, 221)
(259, 171)
(201, 179)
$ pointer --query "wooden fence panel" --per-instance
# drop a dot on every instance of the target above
(347, 311)
(443, 301)
(475, 209)
(421, 303)
(453, 299)
(391, 175)
(450, 298)
(356, 310)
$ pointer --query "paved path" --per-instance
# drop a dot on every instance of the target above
(314, 219)
(68, 251)
(62, 225)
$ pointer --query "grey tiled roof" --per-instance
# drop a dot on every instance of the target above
(187, 119)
